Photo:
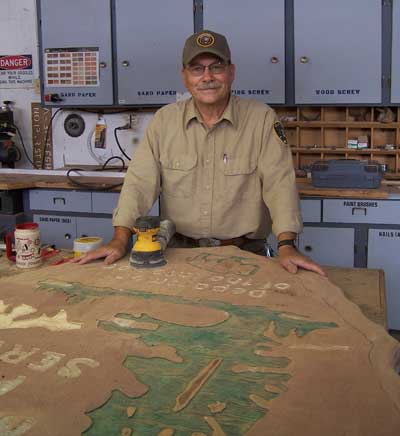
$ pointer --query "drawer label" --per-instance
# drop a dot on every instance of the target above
(360, 203)
(390, 234)
(53, 219)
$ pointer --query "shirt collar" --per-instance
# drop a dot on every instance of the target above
(230, 113)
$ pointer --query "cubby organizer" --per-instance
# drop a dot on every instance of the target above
(323, 132)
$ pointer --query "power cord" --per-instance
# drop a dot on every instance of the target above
(117, 141)
(23, 147)
(103, 168)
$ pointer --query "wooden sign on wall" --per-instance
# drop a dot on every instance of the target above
(42, 153)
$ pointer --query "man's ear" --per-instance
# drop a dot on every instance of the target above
(232, 71)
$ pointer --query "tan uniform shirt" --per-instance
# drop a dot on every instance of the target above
(234, 179)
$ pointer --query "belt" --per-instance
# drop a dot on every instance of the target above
(213, 242)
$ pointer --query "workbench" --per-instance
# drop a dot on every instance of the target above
(29, 179)
(217, 342)
(353, 233)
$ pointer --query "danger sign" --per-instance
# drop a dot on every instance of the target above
(16, 71)
(16, 62)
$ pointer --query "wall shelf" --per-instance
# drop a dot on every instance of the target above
(322, 132)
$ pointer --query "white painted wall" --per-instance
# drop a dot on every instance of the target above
(18, 35)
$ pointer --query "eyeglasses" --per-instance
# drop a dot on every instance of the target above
(199, 69)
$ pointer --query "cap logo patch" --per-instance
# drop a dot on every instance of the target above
(205, 40)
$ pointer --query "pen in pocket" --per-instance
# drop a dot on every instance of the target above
(225, 158)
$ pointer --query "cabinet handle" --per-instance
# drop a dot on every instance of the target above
(274, 60)
(304, 60)
(125, 63)
(67, 236)
(59, 199)
(307, 248)
(355, 209)
(102, 64)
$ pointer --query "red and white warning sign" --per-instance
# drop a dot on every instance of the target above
(16, 71)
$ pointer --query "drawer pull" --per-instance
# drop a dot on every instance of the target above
(356, 210)
(59, 199)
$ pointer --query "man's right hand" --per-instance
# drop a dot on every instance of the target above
(111, 252)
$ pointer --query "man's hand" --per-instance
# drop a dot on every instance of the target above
(112, 251)
(291, 259)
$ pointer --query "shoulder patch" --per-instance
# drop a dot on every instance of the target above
(280, 132)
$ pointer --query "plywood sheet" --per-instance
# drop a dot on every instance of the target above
(217, 342)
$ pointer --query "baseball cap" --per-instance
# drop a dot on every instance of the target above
(206, 41)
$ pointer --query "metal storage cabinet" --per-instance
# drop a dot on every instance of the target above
(383, 252)
(89, 226)
(83, 27)
(149, 39)
(362, 211)
(395, 76)
(337, 53)
(256, 35)
(56, 229)
(328, 246)
(60, 200)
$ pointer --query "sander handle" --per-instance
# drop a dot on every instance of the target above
(167, 230)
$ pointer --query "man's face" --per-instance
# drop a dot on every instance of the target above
(209, 87)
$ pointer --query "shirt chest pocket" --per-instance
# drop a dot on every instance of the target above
(178, 176)
(240, 178)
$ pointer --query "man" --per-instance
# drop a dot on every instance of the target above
(223, 164)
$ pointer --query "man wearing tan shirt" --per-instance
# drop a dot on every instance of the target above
(221, 164)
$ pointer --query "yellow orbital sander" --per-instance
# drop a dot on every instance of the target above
(153, 236)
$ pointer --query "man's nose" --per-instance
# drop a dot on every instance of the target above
(207, 74)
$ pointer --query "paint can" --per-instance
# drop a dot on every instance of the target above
(85, 244)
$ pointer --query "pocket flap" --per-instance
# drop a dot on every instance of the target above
(239, 166)
(180, 163)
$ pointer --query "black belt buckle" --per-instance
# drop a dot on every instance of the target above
(209, 242)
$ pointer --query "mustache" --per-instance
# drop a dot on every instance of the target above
(208, 85)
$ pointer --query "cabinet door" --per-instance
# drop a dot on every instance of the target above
(383, 252)
(92, 226)
(256, 36)
(395, 77)
(328, 246)
(337, 52)
(76, 56)
(149, 38)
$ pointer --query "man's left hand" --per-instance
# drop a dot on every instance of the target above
(291, 259)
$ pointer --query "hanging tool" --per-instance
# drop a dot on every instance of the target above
(9, 153)
(153, 236)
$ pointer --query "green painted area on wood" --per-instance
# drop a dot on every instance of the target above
(234, 340)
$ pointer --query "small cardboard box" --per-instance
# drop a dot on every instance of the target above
(363, 142)
(352, 143)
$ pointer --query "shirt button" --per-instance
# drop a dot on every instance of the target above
(207, 186)
(177, 164)
(205, 212)
(207, 161)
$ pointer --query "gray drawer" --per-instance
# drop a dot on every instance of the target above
(60, 200)
(91, 226)
(311, 210)
(361, 211)
(104, 202)
(57, 230)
